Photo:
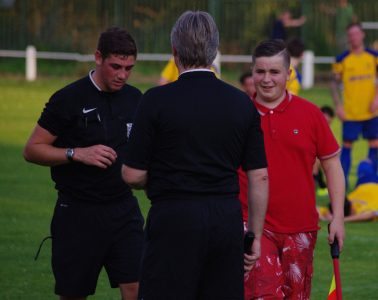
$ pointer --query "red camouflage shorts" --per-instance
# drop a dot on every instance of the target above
(284, 270)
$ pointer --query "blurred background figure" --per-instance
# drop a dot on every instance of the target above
(296, 48)
(366, 172)
(362, 203)
(247, 83)
(357, 104)
(170, 72)
(343, 15)
(317, 172)
(284, 20)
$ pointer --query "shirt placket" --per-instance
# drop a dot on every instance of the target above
(272, 124)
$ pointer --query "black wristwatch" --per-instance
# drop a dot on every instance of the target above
(69, 154)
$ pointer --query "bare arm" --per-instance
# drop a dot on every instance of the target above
(365, 216)
(336, 189)
(135, 178)
(39, 149)
(289, 22)
(374, 105)
(258, 190)
(336, 97)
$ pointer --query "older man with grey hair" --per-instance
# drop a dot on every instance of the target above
(188, 140)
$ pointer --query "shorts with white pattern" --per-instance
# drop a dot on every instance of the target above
(285, 268)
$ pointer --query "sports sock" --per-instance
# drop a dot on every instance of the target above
(345, 162)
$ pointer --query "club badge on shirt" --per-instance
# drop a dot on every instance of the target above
(129, 126)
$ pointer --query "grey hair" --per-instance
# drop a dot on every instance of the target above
(195, 37)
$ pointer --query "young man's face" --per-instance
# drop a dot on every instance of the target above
(113, 71)
(355, 37)
(270, 76)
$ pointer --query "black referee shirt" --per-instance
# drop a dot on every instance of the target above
(80, 116)
(192, 135)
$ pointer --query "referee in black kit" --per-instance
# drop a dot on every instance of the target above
(188, 140)
(82, 135)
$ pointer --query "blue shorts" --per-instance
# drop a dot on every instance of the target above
(368, 128)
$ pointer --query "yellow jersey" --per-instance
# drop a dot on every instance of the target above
(294, 83)
(358, 75)
(364, 198)
(170, 71)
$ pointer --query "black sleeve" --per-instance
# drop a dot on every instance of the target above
(54, 117)
(140, 145)
(254, 152)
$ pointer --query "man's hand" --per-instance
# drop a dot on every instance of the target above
(337, 231)
(98, 155)
(250, 260)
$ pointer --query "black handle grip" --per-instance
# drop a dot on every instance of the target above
(335, 250)
(248, 240)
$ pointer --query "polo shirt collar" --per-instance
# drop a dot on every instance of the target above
(279, 108)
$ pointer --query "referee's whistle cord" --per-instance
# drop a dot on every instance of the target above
(40, 246)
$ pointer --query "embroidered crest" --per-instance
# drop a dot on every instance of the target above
(129, 126)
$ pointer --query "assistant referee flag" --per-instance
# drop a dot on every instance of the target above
(332, 291)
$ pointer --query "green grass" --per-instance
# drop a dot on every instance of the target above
(27, 199)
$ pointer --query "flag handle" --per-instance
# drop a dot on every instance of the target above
(335, 253)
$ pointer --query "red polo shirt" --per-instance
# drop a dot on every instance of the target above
(295, 133)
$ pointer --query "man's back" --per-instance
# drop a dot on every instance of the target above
(203, 124)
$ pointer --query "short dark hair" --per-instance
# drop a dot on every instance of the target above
(244, 76)
(116, 40)
(270, 48)
(328, 110)
(347, 207)
(295, 46)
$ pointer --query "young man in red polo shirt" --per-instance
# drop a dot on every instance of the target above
(295, 134)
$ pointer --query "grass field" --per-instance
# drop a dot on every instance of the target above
(27, 199)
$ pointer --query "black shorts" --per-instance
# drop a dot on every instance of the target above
(193, 250)
(87, 237)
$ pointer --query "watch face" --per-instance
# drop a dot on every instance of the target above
(70, 153)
